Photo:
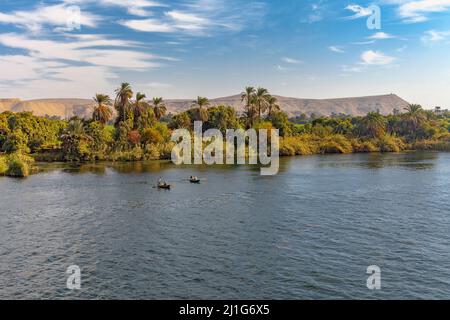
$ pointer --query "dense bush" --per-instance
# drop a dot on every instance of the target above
(16, 165)
(3, 165)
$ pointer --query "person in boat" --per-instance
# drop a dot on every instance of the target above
(162, 182)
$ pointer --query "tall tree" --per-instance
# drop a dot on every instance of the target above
(139, 109)
(248, 96)
(159, 108)
(102, 112)
(122, 103)
(373, 124)
(415, 114)
(261, 100)
(272, 105)
(202, 112)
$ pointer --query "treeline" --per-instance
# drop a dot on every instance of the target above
(131, 127)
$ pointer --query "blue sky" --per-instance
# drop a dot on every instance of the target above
(185, 48)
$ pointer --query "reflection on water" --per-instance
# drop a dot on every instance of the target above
(309, 232)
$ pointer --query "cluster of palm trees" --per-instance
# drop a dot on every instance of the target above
(127, 108)
(257, 102)
(374, 124)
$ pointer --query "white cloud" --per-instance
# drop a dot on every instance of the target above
(201, 17)
(433, 36)
(149, 25)
(381, 36)
(133, 7)
(291, 60)
(60, 16)
(362, 43)
(371, 57)
(336, 49)
(359, 11)
(83, 51)
(418, 10)
(84, 61)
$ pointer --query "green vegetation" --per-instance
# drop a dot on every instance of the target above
(131, 128)
(16, 165)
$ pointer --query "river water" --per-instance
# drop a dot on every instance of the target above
(309, 232)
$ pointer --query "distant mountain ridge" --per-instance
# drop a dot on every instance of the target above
(356, 106)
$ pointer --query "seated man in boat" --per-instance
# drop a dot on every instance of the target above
(161, 182)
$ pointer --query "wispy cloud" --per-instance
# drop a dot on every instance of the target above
(133, 7)
(381, 36)
(371, 57)
(418, 10)
(94, 50)
(358, 11)
(291, 60)
(434, 36)
(58, 16)
(78, 59)
(337, 49)
(201, 17)
(149, 25)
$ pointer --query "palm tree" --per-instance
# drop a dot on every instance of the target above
(202, 111)
(102, 112)
(139, 108)
(261, 100)
(272, 105)
(75, 128)
(122, 102)
(159, 108)
(415, 114)
(249, 97)
(374, 124)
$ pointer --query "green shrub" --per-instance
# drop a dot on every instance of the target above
(152, 152)
(431, 145)
(389, 143)
(134, 154)
(3, 165)
(336, 144)
(165, 150)
(152, 136)
(364, 146)
(19, 165)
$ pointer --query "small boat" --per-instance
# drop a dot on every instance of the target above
(164, 186)
(194, 180)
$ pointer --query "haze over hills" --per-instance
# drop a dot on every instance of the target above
(357, 106)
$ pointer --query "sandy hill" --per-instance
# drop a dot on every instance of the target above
(293, 106)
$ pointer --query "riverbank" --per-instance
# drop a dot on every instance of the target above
(20, 165)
